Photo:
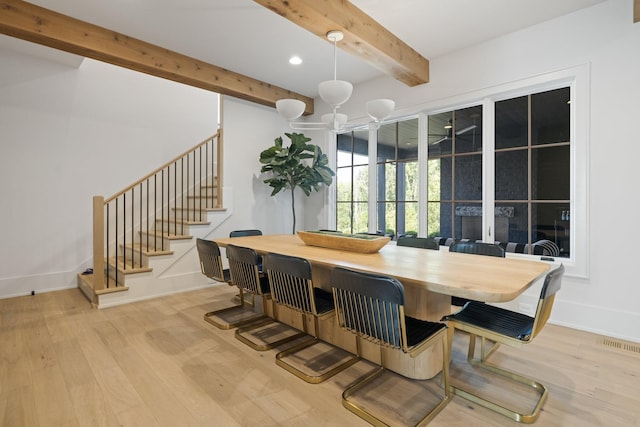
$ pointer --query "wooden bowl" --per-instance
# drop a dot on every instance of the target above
(364, 244)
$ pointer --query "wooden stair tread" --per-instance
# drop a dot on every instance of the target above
(165, 235)
(180, 208)
(183, 221)
(86, 280)
(189, 209)
(148, 251)
(126, 267)
(202, 196)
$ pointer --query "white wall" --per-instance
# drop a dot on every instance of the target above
(68, 133)
(248, 130)
(604, 37)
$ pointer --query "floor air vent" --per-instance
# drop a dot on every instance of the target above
(620, 345)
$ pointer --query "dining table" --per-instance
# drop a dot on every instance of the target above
(425, 274)
(429, 277)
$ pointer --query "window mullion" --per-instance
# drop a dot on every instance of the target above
(488, 170)
(423, 181)
(373, 178)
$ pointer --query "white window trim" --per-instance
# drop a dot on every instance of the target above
(578, 79)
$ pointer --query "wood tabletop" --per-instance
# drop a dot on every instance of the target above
(482, 278)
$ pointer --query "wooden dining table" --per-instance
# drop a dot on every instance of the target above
(429, 277)
(426, 274)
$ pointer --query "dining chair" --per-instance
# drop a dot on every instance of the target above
(418, 242)
(211, 261)
(371, 306)
(244, 269)
(292, 287)
(241, 233)
(251, 232)
(212, 267)
(475, 248)
(503, 326)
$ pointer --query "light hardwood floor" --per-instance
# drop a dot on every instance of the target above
(158, 363)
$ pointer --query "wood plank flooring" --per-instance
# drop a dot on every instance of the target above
(158, 363)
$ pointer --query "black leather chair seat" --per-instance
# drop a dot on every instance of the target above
(419, 330)
(496, 319)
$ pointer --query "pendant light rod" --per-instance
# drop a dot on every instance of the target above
(335, 36)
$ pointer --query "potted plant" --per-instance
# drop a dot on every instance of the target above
(300, 165)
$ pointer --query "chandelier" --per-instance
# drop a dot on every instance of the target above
(335, 93)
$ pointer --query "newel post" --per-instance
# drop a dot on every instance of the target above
(98, 243)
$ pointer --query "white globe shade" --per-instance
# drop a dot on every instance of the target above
(335, 92)
(380, 109)
(290, 109)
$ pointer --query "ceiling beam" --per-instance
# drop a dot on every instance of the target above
(636, 11)
(363, 37)
(43, 26)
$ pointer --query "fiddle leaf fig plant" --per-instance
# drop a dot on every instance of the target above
(300, 165)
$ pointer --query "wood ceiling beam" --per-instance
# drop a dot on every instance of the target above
(363, 36)
(43, 26)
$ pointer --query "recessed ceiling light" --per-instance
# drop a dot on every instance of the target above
(295, 60)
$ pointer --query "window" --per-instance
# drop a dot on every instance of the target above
(510, 164)
(454, 202)
(531, 177)
(352, 182)
(397, 178)
(532, 169)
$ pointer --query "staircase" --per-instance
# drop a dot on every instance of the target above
(143, 236)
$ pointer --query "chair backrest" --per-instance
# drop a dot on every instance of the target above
(551, 285)
(418, 242)
(243, 267)
(241, 233)
(291, 284)
(371, 306)
(210, 259)
(477, 248)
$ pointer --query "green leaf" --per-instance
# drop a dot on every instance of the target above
(300, 165)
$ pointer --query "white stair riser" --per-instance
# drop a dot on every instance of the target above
(135, 255)
(190, 214)
(154, 240)
(172, 227)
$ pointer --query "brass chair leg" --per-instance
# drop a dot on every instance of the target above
(312, 379)
(481, 363)
(363, 381)
(210, 318)
(267, 346)
(356, 409)
(242, 306)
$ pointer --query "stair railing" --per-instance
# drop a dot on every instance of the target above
(140, 217)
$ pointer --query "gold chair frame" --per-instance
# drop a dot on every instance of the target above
(211, 266)
(245, 274)
(368, 318)
(543, 311)
(295, 290)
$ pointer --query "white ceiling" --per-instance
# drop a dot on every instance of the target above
(244, 37)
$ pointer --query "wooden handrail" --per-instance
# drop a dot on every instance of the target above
(149, 175)
(145, 214)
